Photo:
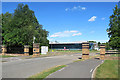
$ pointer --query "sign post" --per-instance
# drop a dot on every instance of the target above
(44, 49)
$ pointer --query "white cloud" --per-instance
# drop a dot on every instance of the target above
(77, 34)
(92, 31)
(101, 41)
(66, 9)
(75, 8)
(103, 18)
(74, 31)
(83, 8)
(92, 18)
(66, 33)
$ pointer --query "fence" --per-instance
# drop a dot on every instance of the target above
(112, 52)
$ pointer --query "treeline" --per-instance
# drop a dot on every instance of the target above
(19, 28)
(114, 29)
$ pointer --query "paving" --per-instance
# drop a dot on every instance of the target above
(23, 68)
(27, 67)
(80, 69)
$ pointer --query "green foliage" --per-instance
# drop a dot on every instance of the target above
(107, 45)
(92, 41)
(42, 75)
(99, 44)
(114, 29)
(20, 27)
(109, 69)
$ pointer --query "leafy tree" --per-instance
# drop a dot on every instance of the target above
(20, 27)
(92, 41)
(114, 29)
(107, 45)
(99, 44)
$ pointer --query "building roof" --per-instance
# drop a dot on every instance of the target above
(77, 42)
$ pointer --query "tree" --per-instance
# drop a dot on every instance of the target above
(114, 29)
(99, 44)
(0, 29)
(92, 41)
(107, 45)
(19, 28)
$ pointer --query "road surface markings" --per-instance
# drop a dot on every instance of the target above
(91, 70)
(61, 69)
(93, 73)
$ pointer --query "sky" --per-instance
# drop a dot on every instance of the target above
(70, 21)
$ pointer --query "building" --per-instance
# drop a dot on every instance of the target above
(69, 45)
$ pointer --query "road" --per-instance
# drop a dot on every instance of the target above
(24, 68)
(81, 69)
(27, 67)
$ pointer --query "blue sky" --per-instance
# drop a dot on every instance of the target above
(70, 21)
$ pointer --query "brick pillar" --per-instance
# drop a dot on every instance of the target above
(102, 51)
(4, 49)
(85, 50)
(26, 50)
(36, 49)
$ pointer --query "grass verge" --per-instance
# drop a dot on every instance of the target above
(109, 69)
(114, 55)
(6, 56)
(45, 73)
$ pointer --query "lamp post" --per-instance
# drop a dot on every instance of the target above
(33, 39)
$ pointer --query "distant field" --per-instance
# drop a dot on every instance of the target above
(109, 69)
(76, 51)
(115, 55)
(6, 56)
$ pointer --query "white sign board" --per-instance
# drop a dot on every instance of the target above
(44, 49)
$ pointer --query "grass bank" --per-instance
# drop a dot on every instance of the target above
(44, 74)
(109, 69)
(6, 56)
(114, 55)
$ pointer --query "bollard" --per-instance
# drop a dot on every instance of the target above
(102, 51)
(36, 49)
(85, 50)
(26, 50)
(4, 49)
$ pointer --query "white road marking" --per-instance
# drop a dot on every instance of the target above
(91, 70)
(61, 69)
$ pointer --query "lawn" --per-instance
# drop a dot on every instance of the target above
(109, 69)
(114, 55)
(6, 56)
(44, 74)
(75, 51)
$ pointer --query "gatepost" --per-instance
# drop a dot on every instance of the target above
(26, 50)
(4, 49)
(85, 50)
(102, 51)
(36, 49)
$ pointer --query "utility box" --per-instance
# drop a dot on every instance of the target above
(44, 49)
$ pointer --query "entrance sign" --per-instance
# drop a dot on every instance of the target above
(44, 49)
